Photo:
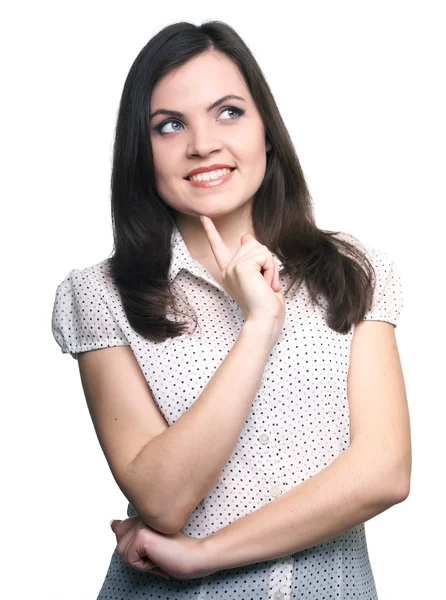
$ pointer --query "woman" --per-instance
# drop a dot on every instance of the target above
(244, 383)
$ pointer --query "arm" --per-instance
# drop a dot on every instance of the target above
(333, 501)
(365, 480)
(175, 470)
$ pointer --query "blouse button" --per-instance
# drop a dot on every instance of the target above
(264, 438)
(279, 596)
(275, 491)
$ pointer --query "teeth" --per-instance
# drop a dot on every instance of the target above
(210, 175)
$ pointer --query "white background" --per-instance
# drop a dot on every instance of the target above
(361, 89)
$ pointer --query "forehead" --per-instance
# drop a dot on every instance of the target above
(201, 80)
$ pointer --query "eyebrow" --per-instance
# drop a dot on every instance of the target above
(176, 113)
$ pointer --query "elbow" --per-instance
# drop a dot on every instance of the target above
(175, 522)
(385, 488)
(170, 521)
(401, 492)
(163, 521)
(398, 488)
(162, 510)
(157, 513)
(391, 483)
(166, 523)
(163, 524)
(400, 483)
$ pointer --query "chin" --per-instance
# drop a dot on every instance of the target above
(217, 210)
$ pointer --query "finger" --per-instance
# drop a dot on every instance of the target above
(126, 540)
(135, 556)
(264, 262)
(278, 286)
(276, 280)
(270, 276)
(121, 527)
(249, 246)
(146, 566)
(269, 271)
(247, 237)
(140, 563)
(160, 572)
(136, 553)
(220, 250)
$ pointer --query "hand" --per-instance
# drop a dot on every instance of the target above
(173, 555)
(259, 296)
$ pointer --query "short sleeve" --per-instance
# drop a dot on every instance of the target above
(82, 318)
(387, 301)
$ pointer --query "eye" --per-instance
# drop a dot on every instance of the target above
(239, 112)
(159, 128)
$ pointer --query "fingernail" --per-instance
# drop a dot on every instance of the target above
(112, 521)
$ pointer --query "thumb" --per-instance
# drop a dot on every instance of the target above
(246, 237)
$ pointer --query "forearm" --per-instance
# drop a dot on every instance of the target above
(336, 499)
(176, 469)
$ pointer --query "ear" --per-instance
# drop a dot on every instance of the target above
(268, 146)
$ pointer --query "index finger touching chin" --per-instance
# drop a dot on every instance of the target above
(218, 247)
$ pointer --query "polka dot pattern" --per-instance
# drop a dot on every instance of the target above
(298, 423)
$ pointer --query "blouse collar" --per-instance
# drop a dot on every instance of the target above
(182, 259)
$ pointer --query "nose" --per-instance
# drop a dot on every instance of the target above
(203, 141)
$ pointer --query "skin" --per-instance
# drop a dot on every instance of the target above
(177, 556)
(363, 480)
(201, 138)
(172, 556)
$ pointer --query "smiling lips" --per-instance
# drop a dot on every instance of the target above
(209, 168)
(206, 183)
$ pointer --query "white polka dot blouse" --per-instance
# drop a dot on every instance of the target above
(297, 425)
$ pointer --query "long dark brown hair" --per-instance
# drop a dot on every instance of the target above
(282, 212)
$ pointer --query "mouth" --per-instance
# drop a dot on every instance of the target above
(189, 178)
(206, 183)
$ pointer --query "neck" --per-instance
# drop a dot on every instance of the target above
(230, 227)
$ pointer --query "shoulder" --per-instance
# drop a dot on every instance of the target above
(88, 312)
(353, 240)
(379, 257)
(387, 302)
(93, 279)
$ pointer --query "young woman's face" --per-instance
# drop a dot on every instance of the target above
(230, 133)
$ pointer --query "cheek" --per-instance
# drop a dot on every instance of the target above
(259, 142)
(252, 147)
(163, 172)
(165, 163)
(255, 151)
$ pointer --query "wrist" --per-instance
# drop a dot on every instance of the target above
(224, 550)
(262, 330)
(208, 561)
